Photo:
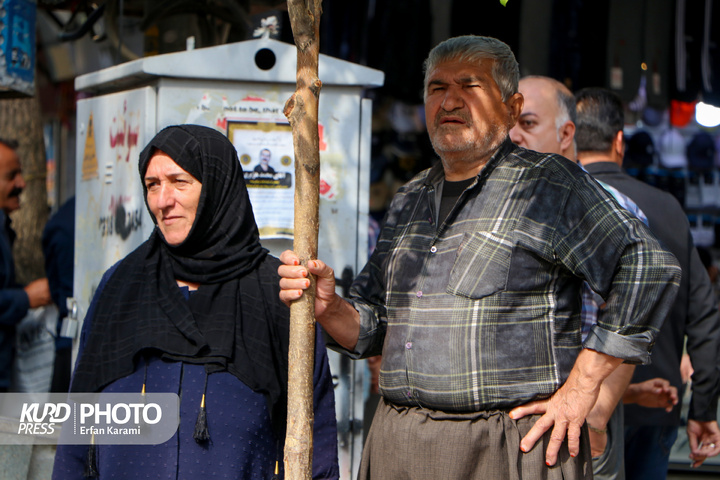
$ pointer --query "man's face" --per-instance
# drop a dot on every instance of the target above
(265, 157)
(536, 129)
(464, 112)
(11, 179)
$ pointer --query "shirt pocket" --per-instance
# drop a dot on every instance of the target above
(482, 264)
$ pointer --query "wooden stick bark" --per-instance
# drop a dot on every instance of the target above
(301, 110)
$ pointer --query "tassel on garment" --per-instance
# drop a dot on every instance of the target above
(91, 470)
(201, 433)
(276, 476)
(143, 392)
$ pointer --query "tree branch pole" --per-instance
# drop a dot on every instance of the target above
(301, 110)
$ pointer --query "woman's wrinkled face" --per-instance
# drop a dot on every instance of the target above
(173, 196)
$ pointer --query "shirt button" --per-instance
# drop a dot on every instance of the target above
(419, 293)
(408, 345)
(433, 249)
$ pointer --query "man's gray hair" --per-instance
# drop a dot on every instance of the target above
(474, 49)
(567, 110)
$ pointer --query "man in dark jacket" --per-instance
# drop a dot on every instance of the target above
(14, 299)
(650, 433)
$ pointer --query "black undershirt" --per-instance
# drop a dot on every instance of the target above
(450, 193)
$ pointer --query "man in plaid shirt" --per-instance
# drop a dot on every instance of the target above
(473, 293)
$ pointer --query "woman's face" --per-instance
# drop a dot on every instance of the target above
(172, 195)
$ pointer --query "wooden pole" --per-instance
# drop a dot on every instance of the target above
(301, 110)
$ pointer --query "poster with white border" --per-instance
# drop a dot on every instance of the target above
(265, 150)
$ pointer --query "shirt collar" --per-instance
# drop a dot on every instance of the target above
(599, 167)
(436, 174)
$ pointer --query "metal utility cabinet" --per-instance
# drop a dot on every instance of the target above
(239, 89)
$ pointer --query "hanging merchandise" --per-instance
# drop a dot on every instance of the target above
(657, 56)
(681, 113)
(672, 149)
(640, 150)
(710, 54)
(701, 151)
(625, 48)
(688, 40)
(702, 228)
(653, 117)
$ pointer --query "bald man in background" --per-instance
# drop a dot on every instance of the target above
(547, 125)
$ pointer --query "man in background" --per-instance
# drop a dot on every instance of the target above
(651, 432)
(547, 125)
(15, 301)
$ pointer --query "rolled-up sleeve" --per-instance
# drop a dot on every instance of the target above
(596, 234)
(367, 295)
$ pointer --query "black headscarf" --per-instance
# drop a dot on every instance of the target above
(233, 322)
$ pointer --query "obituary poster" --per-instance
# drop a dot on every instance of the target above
(265, 149)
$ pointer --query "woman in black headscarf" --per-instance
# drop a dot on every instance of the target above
(195, 311)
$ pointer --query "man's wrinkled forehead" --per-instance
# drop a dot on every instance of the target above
(469, 72)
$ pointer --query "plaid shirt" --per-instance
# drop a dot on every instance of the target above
(483, 311)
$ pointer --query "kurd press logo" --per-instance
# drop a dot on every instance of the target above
(84, 418)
